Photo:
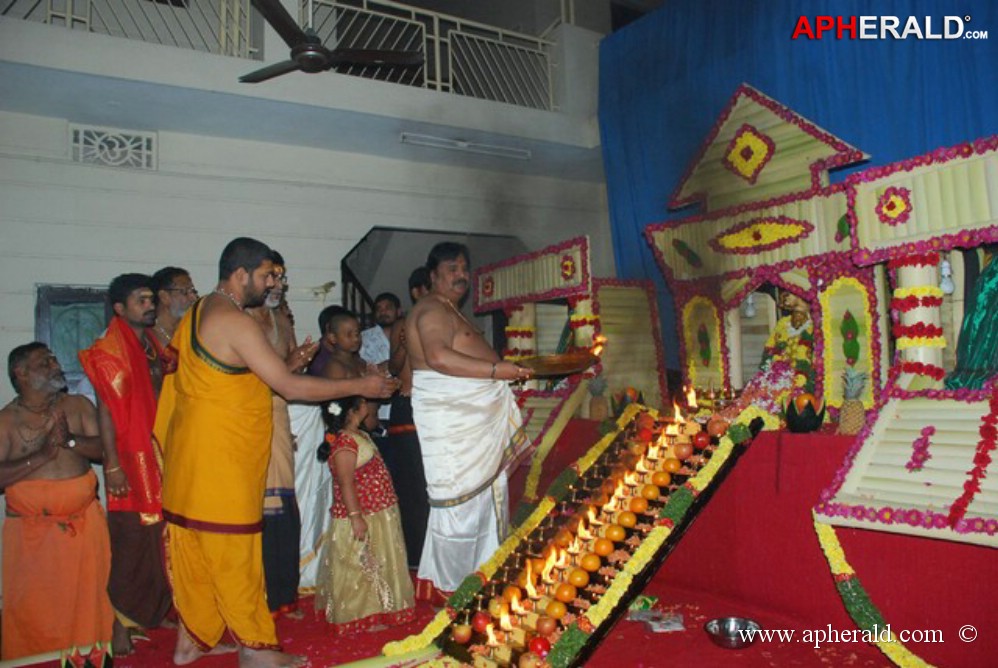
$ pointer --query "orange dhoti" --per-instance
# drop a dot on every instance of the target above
(56, 561)
(215, 467)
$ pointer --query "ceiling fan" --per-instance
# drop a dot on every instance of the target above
(309, 55)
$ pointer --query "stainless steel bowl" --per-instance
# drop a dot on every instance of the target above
(732, 632)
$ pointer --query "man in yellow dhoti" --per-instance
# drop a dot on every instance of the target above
(216, 454)
(468, 424)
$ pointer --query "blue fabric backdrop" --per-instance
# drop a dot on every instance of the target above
(665, 79)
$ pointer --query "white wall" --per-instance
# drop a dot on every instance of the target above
(68, 223)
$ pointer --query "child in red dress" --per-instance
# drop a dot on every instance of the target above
(363, 581)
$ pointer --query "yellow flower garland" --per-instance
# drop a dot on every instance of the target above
(420, 640)
(832, 548)
(609, 600)
(508, 546)
(918, 291)
(906, 342)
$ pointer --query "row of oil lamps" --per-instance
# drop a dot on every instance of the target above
(560, 566)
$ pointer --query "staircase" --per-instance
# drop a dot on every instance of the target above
(879, 478)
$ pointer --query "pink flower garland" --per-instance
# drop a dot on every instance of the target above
(982, 459)
(920, 450)
(922, 369)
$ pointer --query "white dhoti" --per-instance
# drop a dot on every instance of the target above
(313, 488)
(469, 433)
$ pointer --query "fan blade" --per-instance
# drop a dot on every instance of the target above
(269, 72)
(277, 16)
(375, 57)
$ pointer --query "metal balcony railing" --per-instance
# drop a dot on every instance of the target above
(215, 26)
(463, 57)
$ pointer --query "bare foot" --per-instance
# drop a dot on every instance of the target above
(121, 640)
(268, 658)
(295, 614)
(187, 652)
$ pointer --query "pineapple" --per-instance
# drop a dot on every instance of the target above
(852, 415)
(599, 406)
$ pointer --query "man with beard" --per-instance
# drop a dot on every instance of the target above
(468, 424)
(216, 454)
(281, 523)
(56, 554)
(126, 367)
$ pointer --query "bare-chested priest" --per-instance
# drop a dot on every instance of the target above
(56, 549)
(468, 424)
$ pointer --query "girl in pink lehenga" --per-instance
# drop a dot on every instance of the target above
(363, 581)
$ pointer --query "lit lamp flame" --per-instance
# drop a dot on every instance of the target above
(593, 521)
(691, 398)
(531, 590)
(504, 622)
(492, 640)
(677, 415)
(630, 479)
(583, 531)
(515, 605)
(599, 341)
(550, 562)
(561, 561)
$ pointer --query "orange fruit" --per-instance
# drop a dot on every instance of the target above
(590, 562)
(614, 532)
(602, 547)
(672, 465)
(638, 504)
(662, 478)
(650, 491)
(563, 538)
(627, 519)
(637, 448)
(578, 578)
(510, 592)
(566, 592)
(556, 610)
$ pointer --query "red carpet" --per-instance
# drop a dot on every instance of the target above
(751, 552)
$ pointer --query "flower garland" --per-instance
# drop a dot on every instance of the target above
(850, 337)
(930, 259)
(748, 152)
(916, 330)
(579, 321)
(922, 369)
(920, 450)
(857, 601)
(522, 332)
(894, 206)
(796, 345)
(760, 234)
(911, 302)
(906, 342)
(982, 459)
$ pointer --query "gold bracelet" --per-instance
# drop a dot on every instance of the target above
(112, 469)
(355, 513)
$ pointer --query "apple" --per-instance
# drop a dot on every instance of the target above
(546, 626)
(480, 621)
(539, 646)
(701, 440)
(460, 633)
(683, 450)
